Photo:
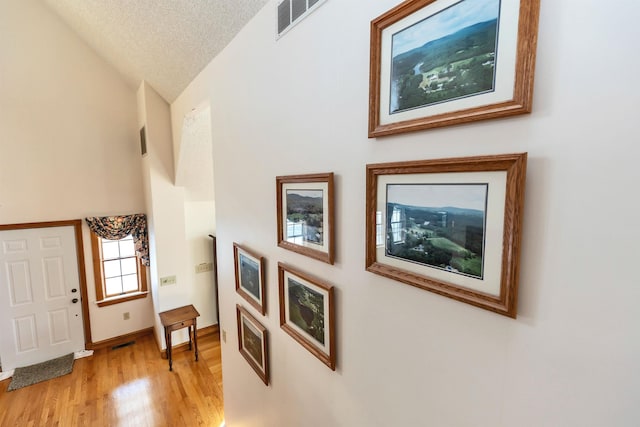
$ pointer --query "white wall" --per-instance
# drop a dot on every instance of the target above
(200, 223)
(64, 114)
(178, 228)
(405, 356)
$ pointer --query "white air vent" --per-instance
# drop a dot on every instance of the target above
(290, 12)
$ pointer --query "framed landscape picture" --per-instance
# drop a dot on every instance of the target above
(450, 226)
(252, 343)
(305, 214)
(444, 62)
(307, 312)
(250, 282)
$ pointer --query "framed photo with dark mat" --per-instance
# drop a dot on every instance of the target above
(307, 312)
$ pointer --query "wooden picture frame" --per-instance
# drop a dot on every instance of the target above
(253, 343)
(250, 277)
(305, 211)
(444, 62)
(307, 312)
(449, 226)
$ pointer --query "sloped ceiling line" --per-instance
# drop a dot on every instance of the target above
(165, 42)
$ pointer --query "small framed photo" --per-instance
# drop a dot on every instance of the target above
(449, 226)
(252, 343)
(443, 62)
(305, 214)
(250, 282)
(307, 312)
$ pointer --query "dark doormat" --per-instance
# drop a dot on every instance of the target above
(33, 374)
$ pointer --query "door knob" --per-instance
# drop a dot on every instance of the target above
(74, 290)
(75, 300)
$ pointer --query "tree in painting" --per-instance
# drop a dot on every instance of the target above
(252, 342)
(250, 275)
(449, 55)
(305, 216)
(438, 225)
(306, 309)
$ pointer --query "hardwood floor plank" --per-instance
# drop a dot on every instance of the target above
(126, 386)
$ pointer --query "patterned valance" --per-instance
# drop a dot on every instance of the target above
(119, 227)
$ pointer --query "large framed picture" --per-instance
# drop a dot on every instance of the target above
(252, 343)
(250, 282)
(449, 226)
(307, 312)
(305, 214)
(444, 62)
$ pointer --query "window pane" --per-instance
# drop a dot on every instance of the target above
(284, 15)
(129, 266)
(298, 7)
(130, 283)
(379, 234)
(113, 286)
(112, 268)
(110, 249)
(127, 248)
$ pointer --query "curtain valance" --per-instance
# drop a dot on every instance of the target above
(118, 227)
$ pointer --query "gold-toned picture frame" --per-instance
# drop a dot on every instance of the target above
(307, 312)
(449, 226)
(444, 62)
(250, 277)
(305, 212)
(253, 343)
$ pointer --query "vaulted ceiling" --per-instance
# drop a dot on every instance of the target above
(165, 42)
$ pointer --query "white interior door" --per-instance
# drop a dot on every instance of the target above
(40, 302)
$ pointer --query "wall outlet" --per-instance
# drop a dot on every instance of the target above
(203, 267)
(169, 280)
(126, 315)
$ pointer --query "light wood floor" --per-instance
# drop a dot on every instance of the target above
(128, 386)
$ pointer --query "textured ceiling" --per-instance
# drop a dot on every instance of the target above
(165, 42)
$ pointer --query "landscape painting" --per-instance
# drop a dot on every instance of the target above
(449, 55)
(438, 225)
(250, 275)
(307, 312)
(250, 282)
(252, 343)
(306, 309)
(305, 216)
(450, 226)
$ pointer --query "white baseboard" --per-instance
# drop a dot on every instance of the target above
(5, 375)
(82, 353)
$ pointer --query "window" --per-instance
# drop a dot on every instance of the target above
(398, 225)
(119, 274)
(379, 234)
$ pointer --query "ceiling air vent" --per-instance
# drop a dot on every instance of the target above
(290, 12)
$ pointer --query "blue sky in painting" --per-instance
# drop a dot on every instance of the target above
(306, 193)
(447, 21)
(466, 196)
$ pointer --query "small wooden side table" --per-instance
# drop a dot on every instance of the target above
(178, 318)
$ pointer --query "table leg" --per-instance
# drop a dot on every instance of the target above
(169, 355)
(195, 337)
(189, 338)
